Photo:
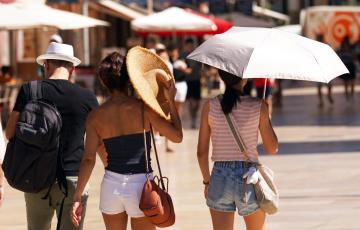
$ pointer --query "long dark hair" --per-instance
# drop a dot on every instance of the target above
(231, 96)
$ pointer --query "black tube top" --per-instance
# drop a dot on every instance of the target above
(126, 153)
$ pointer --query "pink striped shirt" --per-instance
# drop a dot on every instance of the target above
(246, 115)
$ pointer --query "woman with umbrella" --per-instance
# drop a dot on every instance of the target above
(226, 188)
(249, 52)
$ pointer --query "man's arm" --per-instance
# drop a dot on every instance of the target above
(20, 103)
(11, 124)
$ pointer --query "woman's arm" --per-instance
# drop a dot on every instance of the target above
(92, 144)
(203, 145)
(268, 135)
(2, 190)
(172, 130)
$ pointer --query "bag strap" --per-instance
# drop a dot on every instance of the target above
(155, 149)
(157, 159)
(145, 139)
(235, 133)
(35, 90)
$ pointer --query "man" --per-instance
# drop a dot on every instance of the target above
(73, 104)
(54, 38)
(193, 82)
(2, 152)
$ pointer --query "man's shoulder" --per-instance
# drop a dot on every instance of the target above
(72, 90)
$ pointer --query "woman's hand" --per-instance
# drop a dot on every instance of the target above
(75, 213)
(170, 92)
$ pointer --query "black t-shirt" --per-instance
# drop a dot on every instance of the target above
(74, 103)
(196, 69)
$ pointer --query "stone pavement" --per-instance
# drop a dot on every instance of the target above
(317, 171)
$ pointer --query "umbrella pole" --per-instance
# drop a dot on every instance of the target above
(264, 92)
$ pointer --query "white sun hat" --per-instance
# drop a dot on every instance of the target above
(58, 51)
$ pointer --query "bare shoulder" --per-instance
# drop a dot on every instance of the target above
(206, 105)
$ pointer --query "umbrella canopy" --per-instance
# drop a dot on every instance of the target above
(23, 15)
(295, 29)
(172, 21)
(269, 53)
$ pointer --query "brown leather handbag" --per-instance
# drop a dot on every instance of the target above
(155, 200)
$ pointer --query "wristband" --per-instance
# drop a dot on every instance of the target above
(206, 182)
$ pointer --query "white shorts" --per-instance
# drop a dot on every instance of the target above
(121, 193)
(181, 91)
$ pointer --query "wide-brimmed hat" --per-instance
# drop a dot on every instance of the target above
(58, 51)
(149, 76)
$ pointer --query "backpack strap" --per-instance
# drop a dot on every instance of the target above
(36, 94)
(35, 90)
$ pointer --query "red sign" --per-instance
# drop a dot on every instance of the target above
(7, 1)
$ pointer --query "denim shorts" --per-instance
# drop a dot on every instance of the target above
(228, 190)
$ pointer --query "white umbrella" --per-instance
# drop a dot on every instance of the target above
(270, 53)
(22, 15)
(173, 19)
(295, 29)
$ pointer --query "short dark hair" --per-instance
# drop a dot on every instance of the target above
(113, 73)
(60, 63)
(6, 70)
(190, 41)
(172, 47)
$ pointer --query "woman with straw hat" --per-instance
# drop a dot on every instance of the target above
(230, 184)
(118, 127)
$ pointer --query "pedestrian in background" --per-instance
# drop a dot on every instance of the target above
(109, 126)
(348, 57)
(180, 71)
(320, 38)
(193, 82)
(73, 103)
(161, 50)
(228, 186)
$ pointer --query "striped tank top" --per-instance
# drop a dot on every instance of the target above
(246, 115)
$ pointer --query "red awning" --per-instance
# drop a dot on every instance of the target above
(220, 27)
(221, 24)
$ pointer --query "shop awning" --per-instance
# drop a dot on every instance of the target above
(118, 10)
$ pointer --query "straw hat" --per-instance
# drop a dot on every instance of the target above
(149, 76)
(58, 51)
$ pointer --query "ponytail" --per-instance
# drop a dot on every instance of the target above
(229, 100)
(231, 96)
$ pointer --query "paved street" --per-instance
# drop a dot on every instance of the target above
(317, 170)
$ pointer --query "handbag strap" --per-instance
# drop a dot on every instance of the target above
(235, 133)
(155, 149)
(145, 139)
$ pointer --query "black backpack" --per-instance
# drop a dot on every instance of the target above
(32, 155)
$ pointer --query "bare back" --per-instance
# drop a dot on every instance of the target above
(118, 117)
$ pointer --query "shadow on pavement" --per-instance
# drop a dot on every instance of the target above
(304, 110)
(344, 146)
